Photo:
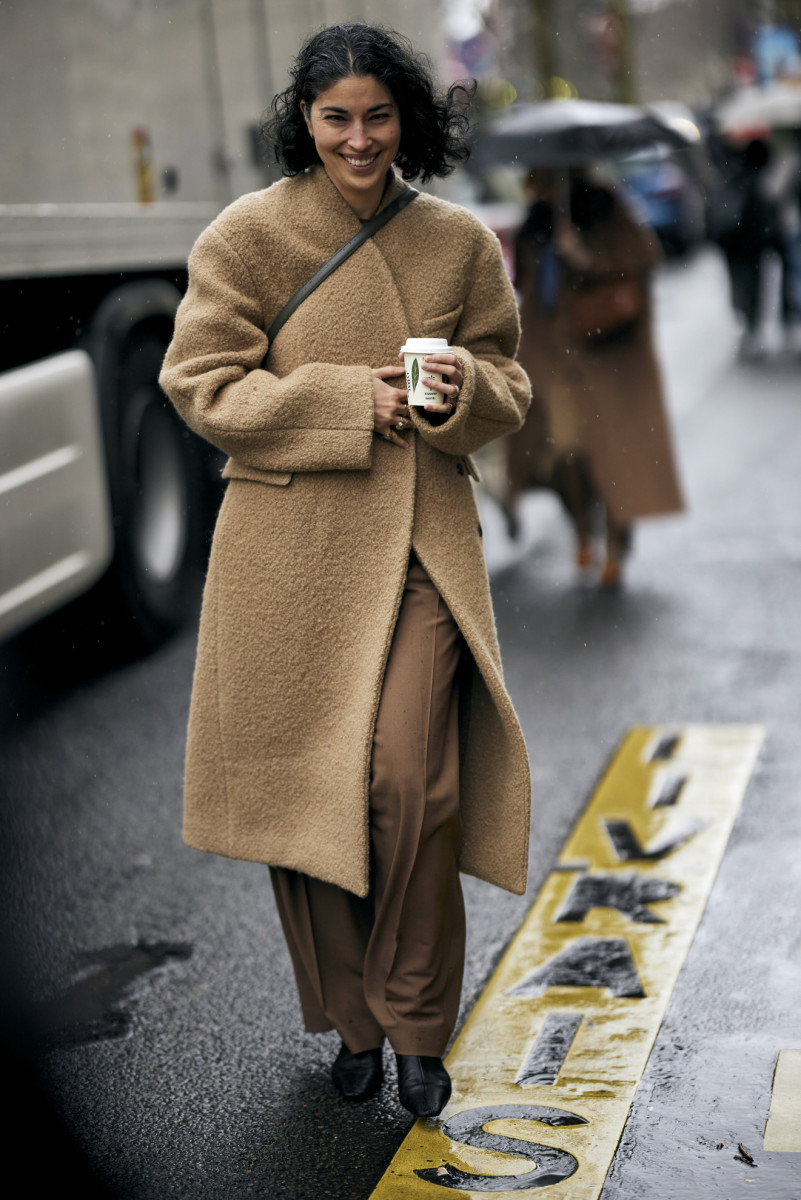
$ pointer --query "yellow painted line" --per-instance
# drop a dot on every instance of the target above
(783, 1130)
(546, 1066)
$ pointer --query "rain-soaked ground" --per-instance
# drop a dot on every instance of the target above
(160, 986)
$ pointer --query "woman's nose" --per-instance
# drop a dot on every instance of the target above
(359, 137)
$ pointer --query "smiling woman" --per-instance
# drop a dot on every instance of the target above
(433, 126)
(355, 127)
(349, 725)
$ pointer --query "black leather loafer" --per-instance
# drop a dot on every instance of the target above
(358, 1076)
(424, 1086)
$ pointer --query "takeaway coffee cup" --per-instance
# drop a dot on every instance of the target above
(414, 351)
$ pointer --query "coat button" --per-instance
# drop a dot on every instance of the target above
(460, 468)
(480, 531)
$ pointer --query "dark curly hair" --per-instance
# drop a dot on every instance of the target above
(434, 126)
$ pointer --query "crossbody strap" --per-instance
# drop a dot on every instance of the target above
(336, 260)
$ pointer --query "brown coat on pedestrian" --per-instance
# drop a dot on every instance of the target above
(312, 542)
(601, 400)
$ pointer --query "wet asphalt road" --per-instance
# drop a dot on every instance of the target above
(179, 1067)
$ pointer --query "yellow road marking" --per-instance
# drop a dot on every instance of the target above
(546, 1066)
(783, 1130)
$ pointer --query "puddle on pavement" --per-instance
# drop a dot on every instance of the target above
(92, 1007)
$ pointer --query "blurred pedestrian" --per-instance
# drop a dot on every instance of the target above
(756, 215)
(349, 722)
(597, 432)
(785, 182)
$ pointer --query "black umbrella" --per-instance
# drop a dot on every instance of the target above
(567, 133)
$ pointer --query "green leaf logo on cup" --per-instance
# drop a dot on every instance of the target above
(414, 351)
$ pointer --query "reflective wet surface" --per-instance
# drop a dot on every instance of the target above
(92, 1007)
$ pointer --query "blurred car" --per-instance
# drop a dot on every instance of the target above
(667, 197)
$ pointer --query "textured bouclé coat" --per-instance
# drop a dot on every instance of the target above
(312, 542)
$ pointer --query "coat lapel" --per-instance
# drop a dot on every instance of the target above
(318, 222)
(317, 213)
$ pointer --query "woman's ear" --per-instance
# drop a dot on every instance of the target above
(306, 118)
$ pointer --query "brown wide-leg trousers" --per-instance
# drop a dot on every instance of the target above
(391, 964)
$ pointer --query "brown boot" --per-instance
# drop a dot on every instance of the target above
(611, 575)
(584, 554)
(618, 544)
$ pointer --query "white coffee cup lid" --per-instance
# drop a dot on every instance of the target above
(424, 345)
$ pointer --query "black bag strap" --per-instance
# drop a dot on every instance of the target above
(336, 260)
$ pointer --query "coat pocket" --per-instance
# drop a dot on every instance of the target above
(237, 470)
(441, 326)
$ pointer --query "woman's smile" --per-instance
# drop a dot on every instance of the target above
(356, 131)
(360, 163)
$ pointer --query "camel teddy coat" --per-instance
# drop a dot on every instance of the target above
(312, 542)
(602, 400)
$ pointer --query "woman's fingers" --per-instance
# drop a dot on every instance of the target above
(450, 385)
(390, 419)
(391, 435)
(390, 405)
(398, 421)
(446, 363)
(449, 367)
(386, 372)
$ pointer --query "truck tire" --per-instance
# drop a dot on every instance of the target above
(162, 506)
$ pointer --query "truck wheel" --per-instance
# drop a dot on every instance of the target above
(162, 510)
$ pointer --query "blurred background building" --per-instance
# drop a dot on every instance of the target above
(644, 50)
(116, 100)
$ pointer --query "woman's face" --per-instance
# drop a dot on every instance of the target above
(356, 129)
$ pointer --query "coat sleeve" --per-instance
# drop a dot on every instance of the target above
(496, 392)
(212, 372)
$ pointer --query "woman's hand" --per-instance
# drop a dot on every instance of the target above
(391, 409)
(569, 243)
(450, 385)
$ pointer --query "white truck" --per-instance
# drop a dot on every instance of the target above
(98, 480)
(127, 124)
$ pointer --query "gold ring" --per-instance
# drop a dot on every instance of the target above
(387, 436)
(400, 425)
